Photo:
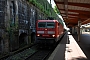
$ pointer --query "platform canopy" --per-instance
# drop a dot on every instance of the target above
(73, 11)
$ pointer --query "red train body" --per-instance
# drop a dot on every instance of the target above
(48, 31)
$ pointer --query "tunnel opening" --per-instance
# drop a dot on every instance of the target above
(23, 39)
(33, 37)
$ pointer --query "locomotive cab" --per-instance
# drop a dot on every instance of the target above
(47, 31)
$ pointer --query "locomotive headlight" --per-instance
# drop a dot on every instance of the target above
(38, 35)
(53, 35)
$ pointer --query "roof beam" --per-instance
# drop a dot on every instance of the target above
(86, 21)
(76, 18)
(66, 7)
(75, 4)
(70, 16)
(78, 11)
(79, 15)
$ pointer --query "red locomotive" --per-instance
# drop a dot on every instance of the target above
(48, 31)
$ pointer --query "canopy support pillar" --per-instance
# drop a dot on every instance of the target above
(79, 24)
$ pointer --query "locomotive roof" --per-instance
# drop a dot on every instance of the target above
(47, 20)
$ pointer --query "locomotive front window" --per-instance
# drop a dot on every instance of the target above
(50, 24)
(46, 24)
(42, 24)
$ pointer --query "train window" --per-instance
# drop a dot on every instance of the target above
(50, 24)
(42, 24)
(46, 25)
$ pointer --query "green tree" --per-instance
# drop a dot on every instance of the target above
(56, 10)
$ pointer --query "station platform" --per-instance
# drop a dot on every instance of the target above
(70, 49)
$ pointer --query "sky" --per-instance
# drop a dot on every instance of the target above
(52, 2)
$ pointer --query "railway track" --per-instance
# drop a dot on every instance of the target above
(40, 55)
(32, 53)
(23, 54)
